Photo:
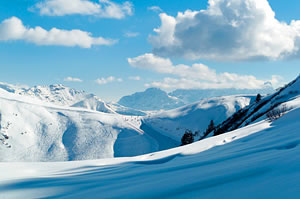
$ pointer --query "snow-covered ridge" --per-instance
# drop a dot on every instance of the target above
(288, 96)
(57, 94)
(60, 95)
(197, 116)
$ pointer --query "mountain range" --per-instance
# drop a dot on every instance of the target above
(157, 99)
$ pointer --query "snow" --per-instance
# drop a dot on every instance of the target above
(92, 102)
(56, 94)
(261, 160)
(154, 99)
(151, 99)
(32, 130)
(197, 116)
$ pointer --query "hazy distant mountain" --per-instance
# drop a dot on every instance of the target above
(151, 99)
(194, 95)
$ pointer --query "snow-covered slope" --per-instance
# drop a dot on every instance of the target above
(33, 131)
(197, 116)
(92, 102)
(125, 110)
(257, 111)
(261, 160)
(151, 99)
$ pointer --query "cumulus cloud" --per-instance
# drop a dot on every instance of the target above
(103, 9)
(136, 78)
(155, 8)
(227, 30)
(13, 29)
(131, 34)
(110, 79)
(196, 76)
(72, 79)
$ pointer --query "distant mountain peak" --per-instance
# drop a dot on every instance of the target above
(150, 99)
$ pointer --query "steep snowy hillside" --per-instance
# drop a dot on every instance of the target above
(31, 131)
(261, 160)
(197, 116)
(257, 111)
(151, 99)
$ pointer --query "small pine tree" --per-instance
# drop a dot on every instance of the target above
(258, 97)
(210, 127)
(187, 138)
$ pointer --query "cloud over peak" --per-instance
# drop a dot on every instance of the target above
(103, 9)
(13, 29)
(227, 30)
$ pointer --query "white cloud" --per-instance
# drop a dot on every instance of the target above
(131, 34)
(103, 9)
(13, 29)
(72, 79)
(136, 78)
(196, 76)
(110, 79)
(227, 30)
(155, 8)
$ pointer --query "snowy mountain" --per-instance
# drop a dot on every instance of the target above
(155, 99)
(260, 160)
(56, 94)
(197, 116)
(194, 95)
(34, 130)
(151, 99)
(61, 95)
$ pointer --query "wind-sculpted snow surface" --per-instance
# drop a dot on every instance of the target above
(261, 160)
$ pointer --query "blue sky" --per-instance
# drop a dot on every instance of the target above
(32, 61)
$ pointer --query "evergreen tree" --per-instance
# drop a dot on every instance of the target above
(210, 127)
(187, 138)
(258, 97)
